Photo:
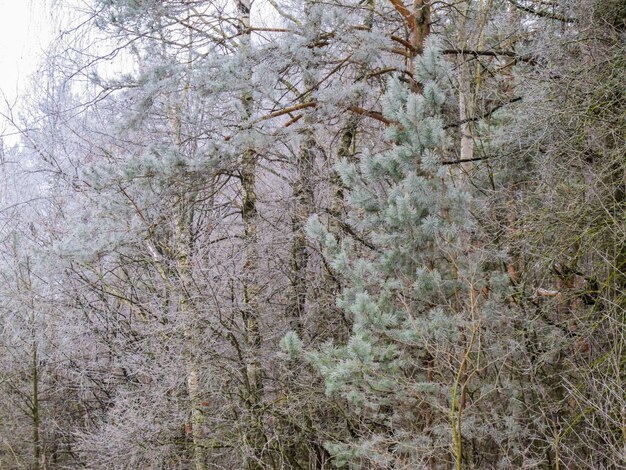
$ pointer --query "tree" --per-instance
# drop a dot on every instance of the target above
(162, 306)
(400, 288)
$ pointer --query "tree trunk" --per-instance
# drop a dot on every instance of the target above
(183, 225)
(35, 407)
(250, 275)
(303, 194)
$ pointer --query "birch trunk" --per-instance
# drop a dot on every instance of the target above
(183, 237)
(184, 207)
(466, 111)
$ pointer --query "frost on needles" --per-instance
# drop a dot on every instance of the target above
(412, 292)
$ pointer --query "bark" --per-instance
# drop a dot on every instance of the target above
(417, 21)
(183, 237)
(25, 285)
(302, 210)
(250, 276)
(466, 110)
(469, 79)
(193, 390)
(184, 206)
(35, 407)
(302, 197)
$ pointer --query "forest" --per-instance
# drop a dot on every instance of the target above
(317, 234)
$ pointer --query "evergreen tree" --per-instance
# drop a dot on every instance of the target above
(414, 285)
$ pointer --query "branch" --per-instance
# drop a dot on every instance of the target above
(376, 73)
(350, 231)
(406, 14)
(478, 159)
(491, 53)
(542, 13)
(373, 114)
(402, 52)
(268, 30)
(484, 115)
(308, 104)
(404, 42)
(465, 160)
(293, 120)
(541, 292)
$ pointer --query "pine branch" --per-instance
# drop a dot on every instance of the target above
(373, 114)
(308, 104)
(405, 13)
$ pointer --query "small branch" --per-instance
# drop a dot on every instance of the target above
(293, 120)
(350, 231)
(308, 104)
(491, 53)
(542, 13)
(373, 114)
(484, 115)
(541, 292)
(376, 73)
(402, 52)
(406, 14)
(269, 30)
(404, 42)
(465, 160)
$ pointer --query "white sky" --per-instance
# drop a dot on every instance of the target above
(25, 29)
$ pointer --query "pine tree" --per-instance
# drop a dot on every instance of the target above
(413, 285)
